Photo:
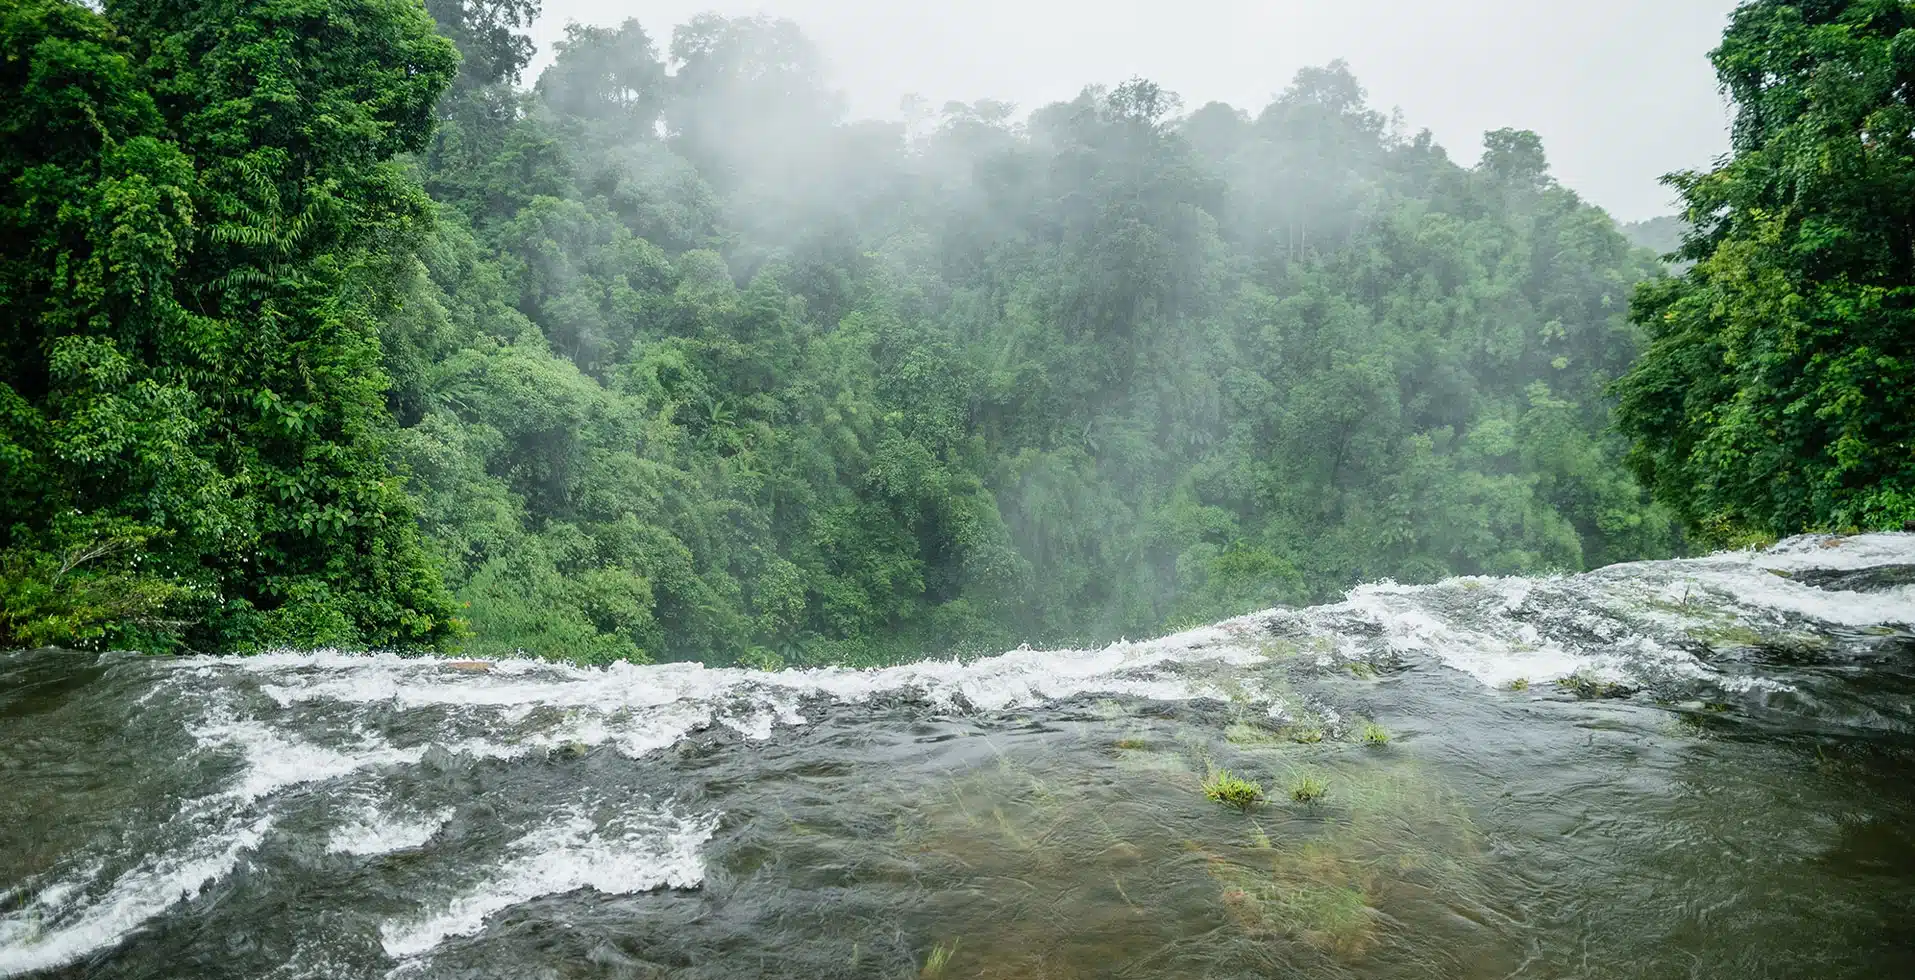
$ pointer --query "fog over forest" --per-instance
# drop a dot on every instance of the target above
(605, 333)
(1621, 92)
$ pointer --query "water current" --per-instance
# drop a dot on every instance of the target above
(1697, 768)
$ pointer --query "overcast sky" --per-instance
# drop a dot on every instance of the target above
(1621, 90)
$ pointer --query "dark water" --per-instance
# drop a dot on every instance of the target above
(1727, 791)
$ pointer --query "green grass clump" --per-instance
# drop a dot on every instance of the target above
(1305, 734)
(1519, 684)
(940, 958)
(1375, 734)
(1308, 789)
(1231, 791)
(1362, 671)
(1132, 744)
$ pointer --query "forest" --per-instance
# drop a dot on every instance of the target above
(330, 327)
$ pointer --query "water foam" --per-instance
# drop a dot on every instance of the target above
(373, 832)
(136, 896)
(1617, 622)
(639, 709)
(275, 761)
(1628, 622)
(633, 853)
(62, 922)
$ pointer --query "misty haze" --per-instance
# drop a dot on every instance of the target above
(503, 488)
(1620, 92)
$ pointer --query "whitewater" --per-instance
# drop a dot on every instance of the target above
(1699, 762)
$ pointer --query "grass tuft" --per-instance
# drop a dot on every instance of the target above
(1519, 684)
(1375, 734)
(1308, 789)
(1231, 791)
(940, 958)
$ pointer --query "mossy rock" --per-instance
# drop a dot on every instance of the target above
(1589, 687)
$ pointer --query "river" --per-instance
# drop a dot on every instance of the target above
(1723, 787)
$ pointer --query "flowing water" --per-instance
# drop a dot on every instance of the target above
(1725, 789)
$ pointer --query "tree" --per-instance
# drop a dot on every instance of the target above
(192, 263)
(1778, 390)
(1515, 155)
(607, 75)
(491, 49)
(748, 95)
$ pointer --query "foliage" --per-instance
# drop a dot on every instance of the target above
(1662, 236)
(1058, 382)
(1305, 733)
(662, 359)
(1775, 395)
(1588, 687)
(191, 197)
(1308, 789)
(81, 587)
(938, 959)
(1374, 734)
(1232, 791)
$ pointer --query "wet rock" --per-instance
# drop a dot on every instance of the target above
(438, 758)
(1878, 578)
(623, 964)
(471, 666)
(1591, 688)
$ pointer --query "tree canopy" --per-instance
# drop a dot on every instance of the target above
(334, 336)
(1778, 390)
(711, 372)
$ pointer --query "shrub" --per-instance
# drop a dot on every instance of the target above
(87, 595)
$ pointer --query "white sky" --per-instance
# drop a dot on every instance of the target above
(1621, 90)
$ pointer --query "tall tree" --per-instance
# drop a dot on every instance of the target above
(608, 74)
(1778, 391)
(486, 33)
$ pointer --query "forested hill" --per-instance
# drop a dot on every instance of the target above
(675, 361)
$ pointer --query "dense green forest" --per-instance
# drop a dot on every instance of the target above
(1778, 390)
(330, 329)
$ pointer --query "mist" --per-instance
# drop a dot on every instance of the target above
(1622, 92)
(830, 376)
